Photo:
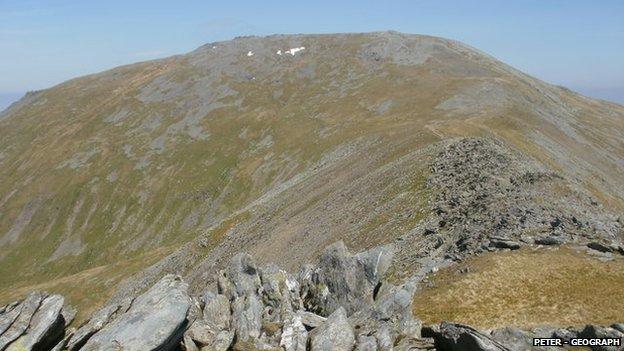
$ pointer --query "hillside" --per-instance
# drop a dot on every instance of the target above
(280, 146)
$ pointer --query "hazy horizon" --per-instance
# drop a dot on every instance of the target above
(576, 44)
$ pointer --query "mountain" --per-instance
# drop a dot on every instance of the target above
(282, 145)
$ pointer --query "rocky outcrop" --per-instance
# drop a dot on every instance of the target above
(36, 323)
(156, 320)
(458, 337)
(341, 303)
(454, 336)
(490, 198)
(344, 280)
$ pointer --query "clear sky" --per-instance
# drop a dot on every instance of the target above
(578, 44)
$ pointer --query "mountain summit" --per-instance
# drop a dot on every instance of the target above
(282, 145)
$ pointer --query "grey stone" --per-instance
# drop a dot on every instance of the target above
(594, 245)
(549, 240)
(310, 319)
(594, 331)
(27, 309)
(504, 244)
(342, 279)
(514, 338)
(216, 310)
(294, 334)
(458, 337)
(618, 326)
(46, 328)
(389, 318)
(366, 343)
(247, 317)
(419, 344)
(188, 344)
(335, 334)
(95, 323)
(240, 282)
(8, 316)
(205, 334)
(155, 321)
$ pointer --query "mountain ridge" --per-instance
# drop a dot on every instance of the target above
(137, 161)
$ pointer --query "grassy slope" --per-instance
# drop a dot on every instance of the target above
(554, 286)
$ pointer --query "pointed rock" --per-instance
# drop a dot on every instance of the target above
(45, 329)
(155, 321)
(342, 279)
(334, 335)
(294, 334)
(27, 309)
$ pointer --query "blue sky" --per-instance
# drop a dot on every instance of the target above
(578, 44)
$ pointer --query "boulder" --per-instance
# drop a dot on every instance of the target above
(27, 309)
(594, 245)
(343, 280)
(459, 337)
(549, 240)
(335, 334)
(389, 319)
(8, 316)
(310, 319)
(240, 283)
(212, 331)
(97, 321)
(155, 321)
(594, 331)
(45, 329)
(618, 326)
(216, 310)
(294, 334)
(503, 243)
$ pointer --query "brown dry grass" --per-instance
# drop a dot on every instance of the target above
(526, 288)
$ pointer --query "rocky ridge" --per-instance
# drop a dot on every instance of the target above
(341, 303)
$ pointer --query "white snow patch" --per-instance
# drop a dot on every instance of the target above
(293, 51)
(250, 53)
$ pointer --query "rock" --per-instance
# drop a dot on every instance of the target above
(240, 282)
(188, 344)
(618, 326)
(594, 245)
(212, 330)
(389, 319)
(46, 328)
(459, 337)
(155, 321)
(594, 331)
(8, 316)
(205, 335)
(514, 338)
(334, 335)
(27, 309)
(240, 278)
(68, 313)
(549, 240)
(366, 343)
(95, 323)
(216, 310)
(420, 344)
(294, 334)
(504, 244)
(342, 279)
(280, 294)
(310, 319)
